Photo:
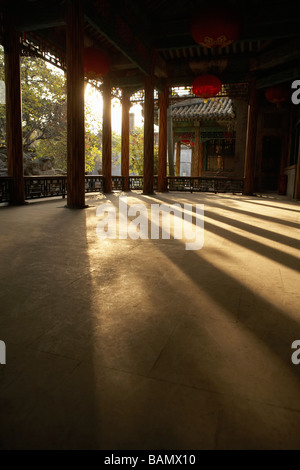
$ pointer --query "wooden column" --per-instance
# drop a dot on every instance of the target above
(14, 138)
(197, 152)
(162, 140)
(193, 161)
(195, 156)
(201, 158)
(75, 107)
(170, 141)
(125, 139)
(251, 140)
(106, 134)
(297, 184)
(149, 135)
(178, 150)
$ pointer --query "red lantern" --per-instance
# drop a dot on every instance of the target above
(277, 94)
(187, 142)
(216, 26)
(96, 63)
(206, 86)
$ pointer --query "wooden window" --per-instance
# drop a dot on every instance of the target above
(220, 155)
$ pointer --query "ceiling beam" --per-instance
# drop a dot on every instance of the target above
(285, 75)
(171, 35)
(29, 24)
(221, 66)
(279, 55)
(123, 27)
(136, 81)
(37, 16)
(112, 26)
(120, 81)
(276, 29)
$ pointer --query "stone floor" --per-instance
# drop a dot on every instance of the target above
(141, 344)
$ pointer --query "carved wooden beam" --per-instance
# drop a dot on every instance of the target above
(112, 26)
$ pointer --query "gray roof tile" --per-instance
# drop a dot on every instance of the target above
(195, 108)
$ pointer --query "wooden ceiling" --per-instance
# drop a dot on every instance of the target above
(141, 34)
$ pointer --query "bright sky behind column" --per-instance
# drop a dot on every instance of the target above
(93, 100)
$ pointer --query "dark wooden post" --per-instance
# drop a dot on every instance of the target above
(170, 141)
(297, 184)
(14, 138)
(106, 134)
(162, 140)
(125, 139)
(149, 135)
(195, 156)
(193, 161)
(201, 157)
(75, 107)
(178, 150)
(197, 153)
(251, 140)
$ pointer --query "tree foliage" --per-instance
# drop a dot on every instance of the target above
(44, 107)
(44, 115)
(44, 110)
(93, 139)
(44, 119)
(136, 151)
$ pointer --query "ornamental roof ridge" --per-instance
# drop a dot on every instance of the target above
(218, 107)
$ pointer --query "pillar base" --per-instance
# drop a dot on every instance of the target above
(248, 193)
(67, 206)
(22, 203)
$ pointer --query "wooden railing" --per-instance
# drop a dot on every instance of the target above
(50, 186)
(5, 188)
(37, 187)
(220, 184)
